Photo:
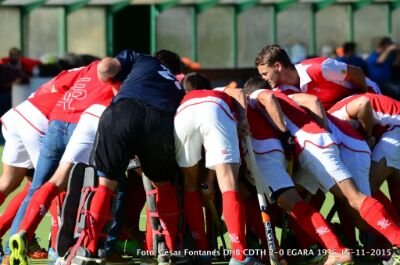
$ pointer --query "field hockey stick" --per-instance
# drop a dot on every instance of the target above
(252, 166)
(285, 218)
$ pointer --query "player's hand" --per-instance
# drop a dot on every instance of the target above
(392, 47)
(288, 144)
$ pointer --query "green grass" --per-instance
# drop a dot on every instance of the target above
(44, 227)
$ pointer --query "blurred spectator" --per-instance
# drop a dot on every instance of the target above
(298, 52)
(24, 65)
(7, 76)
(350, 56)
(327, 51)
(69, 61)
(380, 67)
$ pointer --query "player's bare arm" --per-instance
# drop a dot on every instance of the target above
(357, 77)
(108, 68)
(313, 106)
(385, 54)
(361, 110)
(273, 109)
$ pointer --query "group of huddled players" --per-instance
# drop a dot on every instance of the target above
(92, 134)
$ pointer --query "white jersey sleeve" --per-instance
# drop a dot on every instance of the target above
(333, 70)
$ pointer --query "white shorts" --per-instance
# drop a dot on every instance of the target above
(388, 147)
(358, 164)
(355, 155)
(23, 134)
(205, 124)
(81, 143)
(320, 168)
(272, 167)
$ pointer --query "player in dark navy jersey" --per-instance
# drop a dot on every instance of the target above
(147, 80)
(139, 122)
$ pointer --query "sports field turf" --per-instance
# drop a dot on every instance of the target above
(44, 227)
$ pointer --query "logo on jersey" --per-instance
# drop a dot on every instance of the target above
(167, 75)
(322, 230)
(234, 238)
(77, 92)
(384, 223)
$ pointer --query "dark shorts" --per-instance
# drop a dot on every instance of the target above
(130, 127)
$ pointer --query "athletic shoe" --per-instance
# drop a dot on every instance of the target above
(5, 260)
(81, 257)
(247, 261)
(52, 256)
(344, 258)
(19, 249)
(35, 251)
(394, 259)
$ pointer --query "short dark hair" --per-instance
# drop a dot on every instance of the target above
(195, 81)
(385, 41)
(254, 83)
(349, 47)
(170, 59)
(272, 54)
(15, 49)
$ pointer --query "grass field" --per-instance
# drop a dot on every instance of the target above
(44, 228)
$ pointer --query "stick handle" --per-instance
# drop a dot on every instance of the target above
(251, 163)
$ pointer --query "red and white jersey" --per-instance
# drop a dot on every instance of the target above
(263, 136)
(36, 109)
(289, 89)
(46, 97)
(324, 78)
(86, 91)
(346, 136)
(386, 111)
(298, 122)
(216, 96)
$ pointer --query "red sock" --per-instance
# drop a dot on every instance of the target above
(253, 219)
(394, 187)
(55, 212)
(381, 197)
(12, 208)
(194, 217)
(234, 216)
(347, 226)
(376, 216)
(149, 232)
(37, 208)
(99, 213)
(168, 212)
(304, 239)
(315, 225)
